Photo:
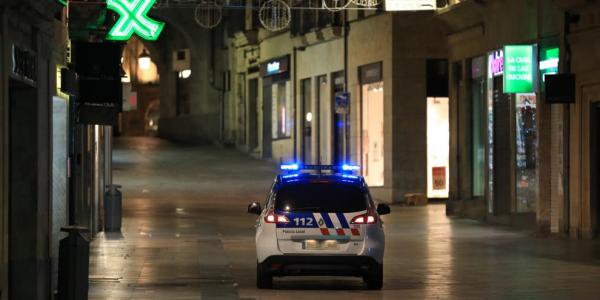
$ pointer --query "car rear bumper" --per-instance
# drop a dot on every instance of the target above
(290, 265)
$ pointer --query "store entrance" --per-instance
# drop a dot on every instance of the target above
(595, 166)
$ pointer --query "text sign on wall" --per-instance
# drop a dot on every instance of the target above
(518, 69)
(410, 5)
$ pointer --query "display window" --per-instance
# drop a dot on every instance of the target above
(438, 149)
(526, 152)
(372, 134)
(282, 121)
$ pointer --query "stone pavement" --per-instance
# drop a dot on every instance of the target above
(186, 235)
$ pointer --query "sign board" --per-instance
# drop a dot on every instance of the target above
(99, 101)
(549, 62)
(439, 178)
(24, 64)
(496, 63)
(518, 69)
(275, 66)
(410, 5)
(560, 88)
(342, 103)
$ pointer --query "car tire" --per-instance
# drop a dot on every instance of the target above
(374, 277)
(264, 279)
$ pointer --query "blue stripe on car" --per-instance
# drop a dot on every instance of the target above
(343, 220)
(327, 220)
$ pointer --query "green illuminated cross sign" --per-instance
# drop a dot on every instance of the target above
(134, 19)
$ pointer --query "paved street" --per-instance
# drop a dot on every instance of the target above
(186, 235)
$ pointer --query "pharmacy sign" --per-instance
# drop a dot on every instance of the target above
(133, 19)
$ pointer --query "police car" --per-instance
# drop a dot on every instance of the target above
(319, 220)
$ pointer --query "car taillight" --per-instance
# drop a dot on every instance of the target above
(364, 219)
(273, 218)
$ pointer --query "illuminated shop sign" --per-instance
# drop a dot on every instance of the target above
(410, 5)
(275, 66)
(549, 62)
(133, 19)
(518, 69)
(496, 61)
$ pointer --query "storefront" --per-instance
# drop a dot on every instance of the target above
(372, 124)
(512, 130)
(277, 104)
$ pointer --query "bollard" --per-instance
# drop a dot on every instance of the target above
(73, 264)
(112, 208)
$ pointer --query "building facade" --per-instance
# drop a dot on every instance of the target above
(338, 87)
(516, 157)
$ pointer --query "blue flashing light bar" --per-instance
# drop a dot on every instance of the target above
(350, 168)
(290, 167)
(346, 168)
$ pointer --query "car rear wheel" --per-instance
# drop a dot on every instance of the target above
(374, 277)
(264, 280)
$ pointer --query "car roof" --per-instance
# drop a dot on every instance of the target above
(284, 179)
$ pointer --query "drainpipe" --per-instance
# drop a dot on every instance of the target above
(346, 31)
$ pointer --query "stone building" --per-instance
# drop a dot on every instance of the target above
(283, 107)
(33, 190)
(516, 158)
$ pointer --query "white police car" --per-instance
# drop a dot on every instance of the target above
(319, 220)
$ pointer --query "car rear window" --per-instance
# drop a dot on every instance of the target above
(321, 197)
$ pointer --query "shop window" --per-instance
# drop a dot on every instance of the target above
(372, 134)
(281, 110)
(438, 146)
(527, 142)
(478, 126)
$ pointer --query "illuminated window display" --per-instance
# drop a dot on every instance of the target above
(438, 141)
(282, 108)
(527, 141)
(372, 160)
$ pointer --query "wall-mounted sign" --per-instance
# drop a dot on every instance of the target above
(518, 69)
(24, 64)
(496, 63)
(275, 66)
(410, 5)
(371, 73)
(549, 60)
(133, 19)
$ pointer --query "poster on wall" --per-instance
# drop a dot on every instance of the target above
(439, 178)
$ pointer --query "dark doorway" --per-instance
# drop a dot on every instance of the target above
(252, 114)
(502, 149)
(27, 242)
(339, 121)
(595, 166)
(267, 112)
(307, 120)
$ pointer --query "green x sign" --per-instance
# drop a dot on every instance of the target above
(134, 19)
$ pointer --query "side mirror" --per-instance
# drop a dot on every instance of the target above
(383, 209)
(254, 208)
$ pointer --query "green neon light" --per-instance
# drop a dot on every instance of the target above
(134, 19)
(63, 2)
(518, 69)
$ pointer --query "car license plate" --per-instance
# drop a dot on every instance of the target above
(320, 245)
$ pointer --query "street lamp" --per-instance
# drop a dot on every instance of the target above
(144, 60)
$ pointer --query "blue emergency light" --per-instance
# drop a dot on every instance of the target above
(345, 168)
